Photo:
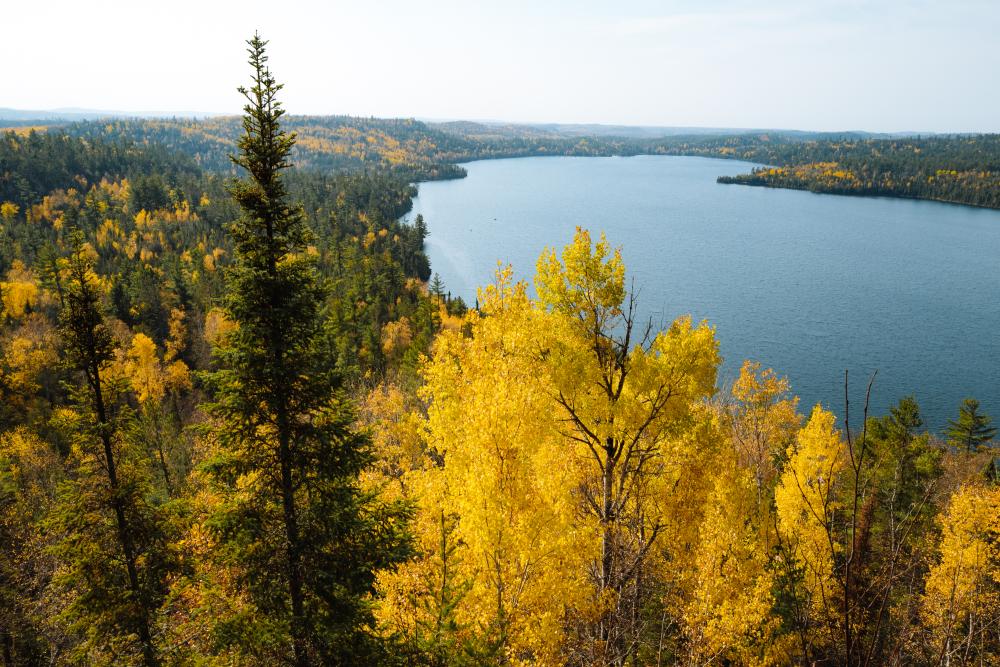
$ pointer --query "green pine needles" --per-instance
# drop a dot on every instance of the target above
(114, 544)
(303, 536)
(972, 429)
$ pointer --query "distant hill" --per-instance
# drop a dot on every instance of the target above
(954, 168)
(553, 130)
(20, 116)
(495, 128)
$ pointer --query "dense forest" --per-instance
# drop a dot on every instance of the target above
(959, 169)
(242, 423)
(962, 169)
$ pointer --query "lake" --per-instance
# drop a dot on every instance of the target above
(807, 284)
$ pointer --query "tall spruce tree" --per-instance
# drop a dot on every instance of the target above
(302, 536)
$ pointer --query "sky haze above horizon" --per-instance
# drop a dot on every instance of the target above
(890, 66)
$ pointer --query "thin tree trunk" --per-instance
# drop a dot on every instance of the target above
(607, 536)
(124, 530)
(159, 449)
(292, 536)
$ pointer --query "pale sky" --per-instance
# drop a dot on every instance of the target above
(889, 65)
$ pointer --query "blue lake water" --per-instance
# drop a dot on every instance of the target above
(807, 284)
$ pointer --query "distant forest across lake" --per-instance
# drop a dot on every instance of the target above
(963, 169)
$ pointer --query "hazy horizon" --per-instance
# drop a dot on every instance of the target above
(696, 129)
(830, 65)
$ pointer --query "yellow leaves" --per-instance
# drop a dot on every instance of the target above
(806, 500)
(661, 386)
(144, 220)
(182, 212)
(589, 282)
(503, 293)
(516, 469)
(817, 457)
(29, 468)
(963, 588)
(131, 246)
(684, 360)
(88, 251)
(505, 474)
(28, 354)
(108, 232)
(19, 292)
(763, 419)
(177, 377)
(396, 433)
(217, 325)
(177, 334)
(8, 211)
(730, 606)
(25, 359)
(149, 377)
(208, 262)
(144, 369)
(396, 337)
(755, 386)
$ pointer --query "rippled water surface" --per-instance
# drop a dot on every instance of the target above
(807, 284)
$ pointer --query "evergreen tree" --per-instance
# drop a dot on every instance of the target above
(437, 287)
(302, 537)
(115, 553)
(972, 428)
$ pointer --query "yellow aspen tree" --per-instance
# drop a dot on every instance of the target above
(9, 211)
(763, 421)
(728, 616)
(505, 477)
(152, 382)
(145, 369)
(623, 393)
(177, 340)
(28, 362)
(20, 292)
(396, 431)
(961, 603)
(806, 501)
(217, 326)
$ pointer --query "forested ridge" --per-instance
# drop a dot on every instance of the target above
(242, 423)
(962, 169)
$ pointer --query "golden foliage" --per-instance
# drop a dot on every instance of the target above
(962, 590)
(217, 325)
(20, 292)
(806, 500)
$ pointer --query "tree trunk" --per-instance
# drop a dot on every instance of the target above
(607, 544)
(124, 530)
(292, 536)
